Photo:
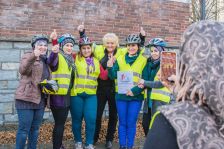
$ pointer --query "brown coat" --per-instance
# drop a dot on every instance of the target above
(31, 70)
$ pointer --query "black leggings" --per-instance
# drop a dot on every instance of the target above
(60, 115)
(105, 95)
(146, 121)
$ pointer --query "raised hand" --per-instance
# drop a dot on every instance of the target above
(36, 52)
(55, 48)
(81, 27)
(111, 61)
(54, 35)
(142, 31)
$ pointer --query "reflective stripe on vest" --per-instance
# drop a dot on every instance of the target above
(86, 86)
(161, 94)
(137, 68)
(62, 75)
(153, 119)
(87, 77)
(86, 82)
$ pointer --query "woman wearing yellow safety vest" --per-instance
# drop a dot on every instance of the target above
(84, 103)
(106, 88)
(63, 67)
(128, 102)
(157, 94)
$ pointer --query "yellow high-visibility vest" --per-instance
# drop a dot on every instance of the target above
(137, 68)
(84, 82)
(62, 75)
(99, 52)
(160, 94)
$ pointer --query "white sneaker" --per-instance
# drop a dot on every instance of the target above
(78, 145)
(90, 146)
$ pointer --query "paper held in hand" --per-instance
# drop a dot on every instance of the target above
(168, 64)
(124, 81)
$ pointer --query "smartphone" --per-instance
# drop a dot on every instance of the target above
(168, 65)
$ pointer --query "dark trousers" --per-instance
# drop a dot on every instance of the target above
(146, 121)
(60, 115)
(105, 95)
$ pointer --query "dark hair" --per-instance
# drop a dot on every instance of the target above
(80, 52)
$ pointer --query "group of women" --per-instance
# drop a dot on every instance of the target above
(86, 81)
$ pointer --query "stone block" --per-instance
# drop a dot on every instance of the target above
(10, 66)
(10, 55)
(8, 75)
(6, 45)
(13, 84)
(6, 97)
(11, 117)
(22, 45)
(3, 84)
(6, 108)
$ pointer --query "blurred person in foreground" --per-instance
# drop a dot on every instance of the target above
(197, 119)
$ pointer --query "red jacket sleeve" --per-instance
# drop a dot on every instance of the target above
(74, 55)
(54, 42)
(103, 73)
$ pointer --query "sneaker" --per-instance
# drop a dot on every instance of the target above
(122, 147)
(90, 146)
(78, 145)
(108, 144)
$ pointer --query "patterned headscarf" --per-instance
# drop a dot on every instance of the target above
(201, 68)
(199, 116)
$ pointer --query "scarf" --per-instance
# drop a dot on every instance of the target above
(198, 118)
(90, 65)
(70, 60)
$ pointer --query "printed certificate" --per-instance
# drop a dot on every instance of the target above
(124, 81)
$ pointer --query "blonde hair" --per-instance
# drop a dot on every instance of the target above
(111, 37)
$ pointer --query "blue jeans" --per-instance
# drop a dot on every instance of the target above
(29, 124)
(128, 114)
(84, 106)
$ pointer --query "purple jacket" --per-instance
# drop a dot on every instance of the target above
(57, 100)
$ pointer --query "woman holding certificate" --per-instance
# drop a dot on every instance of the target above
(127, 69)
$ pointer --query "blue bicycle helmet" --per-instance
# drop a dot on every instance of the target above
(157, 42)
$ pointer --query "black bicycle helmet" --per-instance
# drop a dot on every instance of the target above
(35, 38)
(133, 38)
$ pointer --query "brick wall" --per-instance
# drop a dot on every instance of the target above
(21, 19)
